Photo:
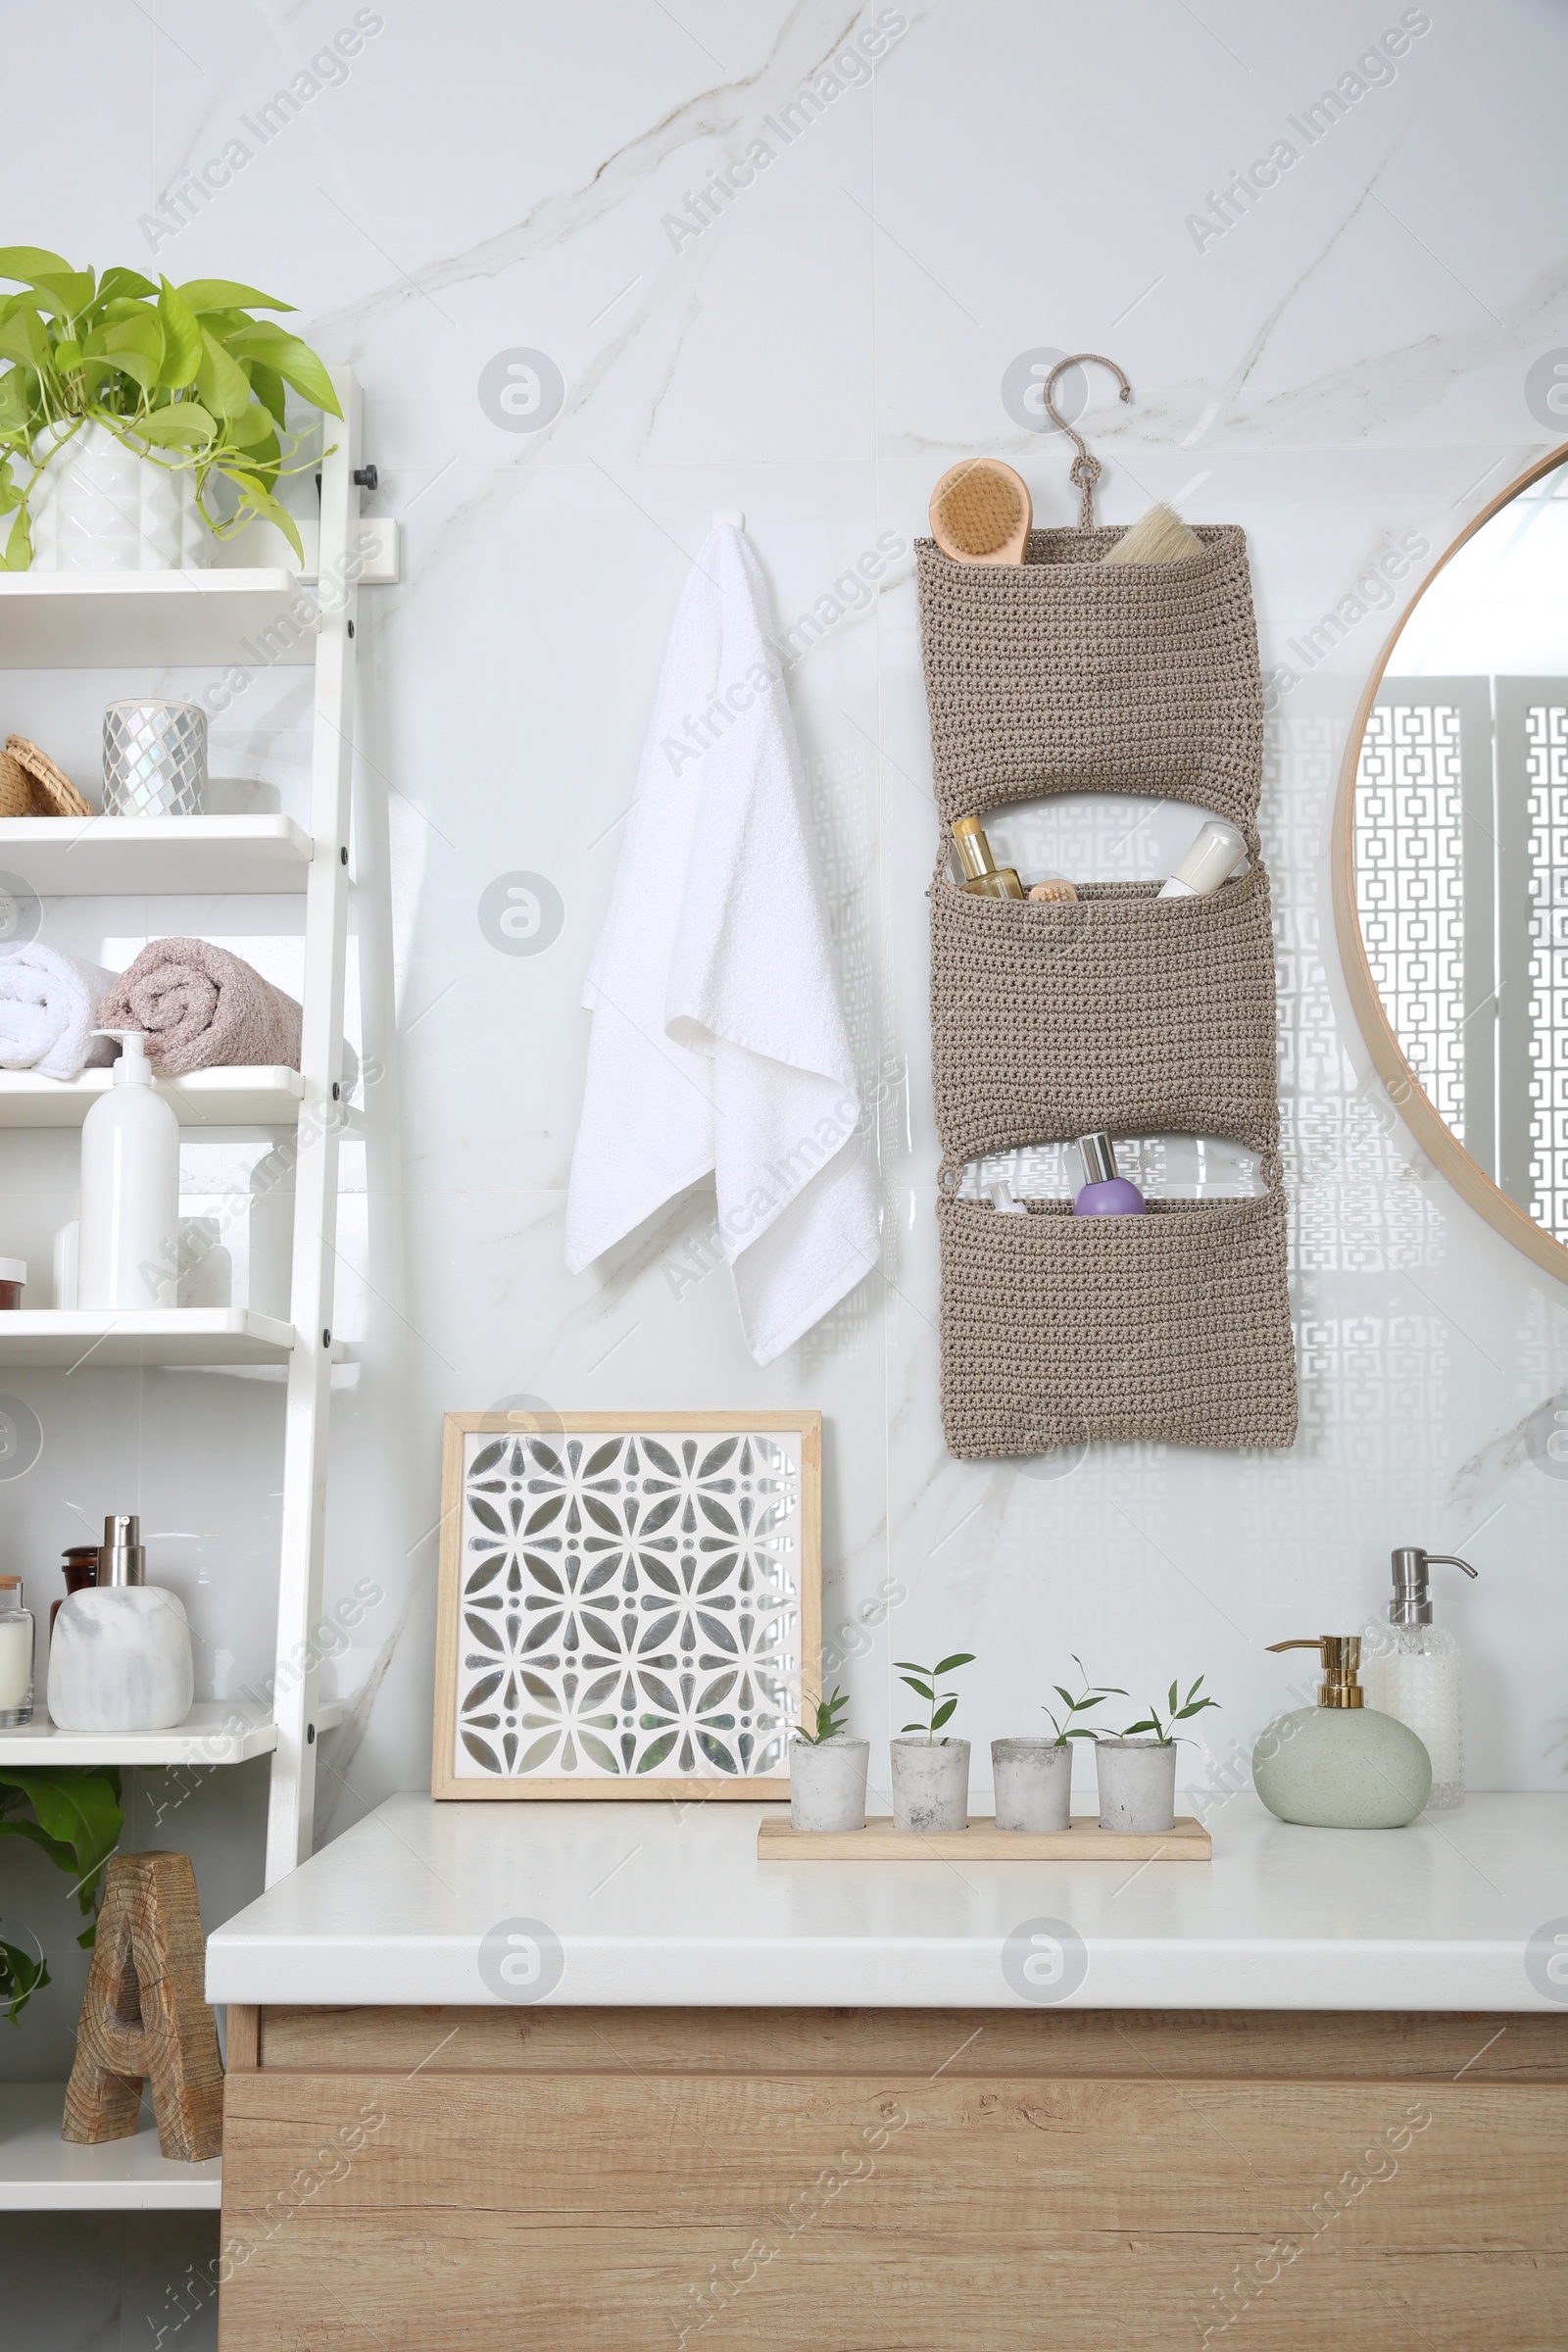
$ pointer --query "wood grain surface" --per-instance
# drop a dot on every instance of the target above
(983, 1842)
(890, 2194)
(144, 2015)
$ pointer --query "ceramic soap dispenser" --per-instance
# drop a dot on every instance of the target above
(1411, 1669)
(1341, 1765)
(121, 1656)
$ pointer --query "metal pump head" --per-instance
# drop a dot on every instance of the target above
(1412, 1596)
(1340, 1655)
(123, 1557)
(1098, 1156)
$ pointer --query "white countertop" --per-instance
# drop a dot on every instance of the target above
(668, 1905)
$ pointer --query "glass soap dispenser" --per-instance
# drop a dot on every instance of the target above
(1341, 1765)
(1411, 1669)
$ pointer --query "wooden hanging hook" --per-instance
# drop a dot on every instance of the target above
(1084, 469)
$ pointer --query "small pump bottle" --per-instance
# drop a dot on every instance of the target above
(129, 1249)
(982, 878)
(1411, 1670)
(1105, 1193)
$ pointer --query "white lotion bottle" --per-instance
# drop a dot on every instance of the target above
(1410, 1669)
(1213, 856)
(129, 1249)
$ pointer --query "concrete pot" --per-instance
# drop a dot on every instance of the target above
(827, 1783)
(930, 1785)
(1137, 1784)
(1033, 1782)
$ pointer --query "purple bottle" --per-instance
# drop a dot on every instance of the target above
(1105, 1193)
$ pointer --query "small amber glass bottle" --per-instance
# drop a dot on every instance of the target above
(982, 876)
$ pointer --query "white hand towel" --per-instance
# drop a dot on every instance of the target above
(48, 1009)
(718, 1038)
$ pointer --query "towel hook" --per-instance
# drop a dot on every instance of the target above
(1084, 469)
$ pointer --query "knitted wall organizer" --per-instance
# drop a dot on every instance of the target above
(1121, 1011)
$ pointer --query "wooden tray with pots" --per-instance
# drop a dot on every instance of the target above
(983, 1842)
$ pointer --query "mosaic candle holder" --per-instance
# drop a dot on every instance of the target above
(155, 760)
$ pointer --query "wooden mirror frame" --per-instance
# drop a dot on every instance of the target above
(1411, 1098)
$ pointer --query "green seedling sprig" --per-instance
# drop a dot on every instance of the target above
(826, 1712)
(923, 1679)
(1078, 1706)
(1175, 1714)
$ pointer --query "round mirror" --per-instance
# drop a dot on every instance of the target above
(1450, 870)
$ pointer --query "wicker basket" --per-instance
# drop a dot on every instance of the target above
(1173, 1326)
(1121, 1010)
(1063, 674)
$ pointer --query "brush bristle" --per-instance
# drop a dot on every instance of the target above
(980, 511)
(1159, 537)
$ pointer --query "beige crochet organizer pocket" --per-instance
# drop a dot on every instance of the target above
(1065, 674)
(1122, 1011)
(1172, 1326)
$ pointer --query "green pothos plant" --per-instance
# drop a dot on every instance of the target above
(74, 1813)
(183, 376)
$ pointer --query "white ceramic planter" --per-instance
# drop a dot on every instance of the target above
(1033, 1783)
(120, 1660)
(97, 507)
(1137, 1784)
(930, 1785)
(827, 1783)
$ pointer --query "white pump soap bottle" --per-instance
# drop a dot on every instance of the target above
(128, 1253)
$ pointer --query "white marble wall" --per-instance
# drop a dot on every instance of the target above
(1345, 364)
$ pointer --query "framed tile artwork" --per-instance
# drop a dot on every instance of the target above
(630, 1603)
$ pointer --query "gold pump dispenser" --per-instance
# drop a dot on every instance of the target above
(1341, 1765)
(1340, 1656)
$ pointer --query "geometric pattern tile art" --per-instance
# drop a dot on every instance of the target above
(629, 1604)
(1547, 862)
(1409, 882)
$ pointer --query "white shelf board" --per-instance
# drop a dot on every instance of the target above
(263, 1097)
(41, 2173)
(216, 1731)
(90, 1338)
(153, 857)
(139, 620)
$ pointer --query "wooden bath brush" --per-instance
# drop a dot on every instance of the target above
(980, 513)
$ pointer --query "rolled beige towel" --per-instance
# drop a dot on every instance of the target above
(202, 1009)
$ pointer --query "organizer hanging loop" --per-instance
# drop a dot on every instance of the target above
(1085, 470)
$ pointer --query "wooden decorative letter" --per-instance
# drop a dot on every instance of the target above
(144, 2015)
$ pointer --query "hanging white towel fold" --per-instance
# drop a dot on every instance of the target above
(48, 1009)
(719, 1039)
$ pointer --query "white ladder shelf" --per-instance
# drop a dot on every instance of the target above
(226, 618)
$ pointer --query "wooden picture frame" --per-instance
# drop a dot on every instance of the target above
(641, 1620)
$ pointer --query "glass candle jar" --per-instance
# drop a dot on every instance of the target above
(12, 1275)
(15, 1655)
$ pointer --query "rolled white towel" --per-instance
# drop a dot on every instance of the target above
(48, 1009)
